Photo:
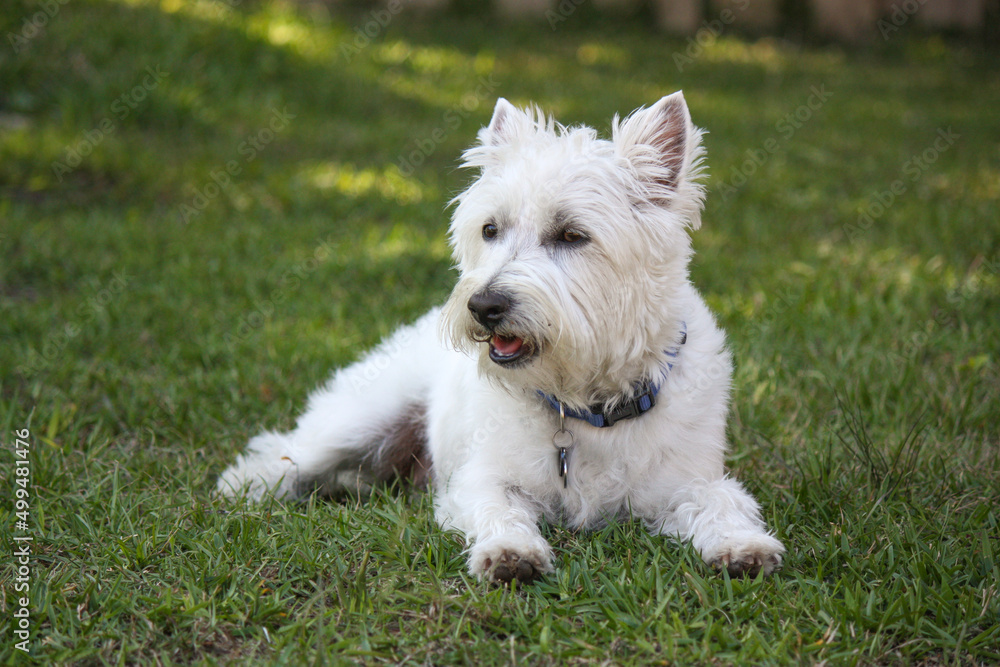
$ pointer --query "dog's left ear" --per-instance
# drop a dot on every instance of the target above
(661, 144)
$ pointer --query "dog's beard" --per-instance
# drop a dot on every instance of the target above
(515, 343)
(584, 352)
(516, 354)
(563, 353)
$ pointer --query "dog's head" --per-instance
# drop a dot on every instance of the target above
(572, 249)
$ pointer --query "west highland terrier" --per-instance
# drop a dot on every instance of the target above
(574, 373)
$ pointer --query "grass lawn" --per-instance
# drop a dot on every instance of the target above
(204, 209)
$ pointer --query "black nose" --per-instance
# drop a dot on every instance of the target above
(489, 308)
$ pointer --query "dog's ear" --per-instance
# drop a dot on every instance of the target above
(661, 144)
(503, 125)
(509, 125)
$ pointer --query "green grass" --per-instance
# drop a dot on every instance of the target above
(141, 349)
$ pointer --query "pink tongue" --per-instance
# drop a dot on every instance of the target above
(507, 346)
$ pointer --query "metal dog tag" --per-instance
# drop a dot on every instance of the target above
(563, 442)
(564, 466)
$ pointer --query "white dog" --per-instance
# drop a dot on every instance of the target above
(585, 379)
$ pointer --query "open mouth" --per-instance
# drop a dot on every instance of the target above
(507, 351)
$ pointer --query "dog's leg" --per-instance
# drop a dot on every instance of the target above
(723, 523)
(365, 424)
(500, 524)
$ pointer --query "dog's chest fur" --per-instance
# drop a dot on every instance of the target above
(614, 472)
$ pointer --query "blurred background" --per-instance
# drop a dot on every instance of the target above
(186, 184)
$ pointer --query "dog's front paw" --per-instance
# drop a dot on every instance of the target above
(747, 555)
(503, 559)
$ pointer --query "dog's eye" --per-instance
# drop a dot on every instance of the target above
(490, 231)
(571, 236)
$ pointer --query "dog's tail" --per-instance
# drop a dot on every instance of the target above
(367, 425)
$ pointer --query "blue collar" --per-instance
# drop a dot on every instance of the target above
(641, 402)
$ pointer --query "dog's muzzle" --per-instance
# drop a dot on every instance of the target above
(490, 309)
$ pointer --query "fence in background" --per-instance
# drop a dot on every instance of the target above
(850, 20)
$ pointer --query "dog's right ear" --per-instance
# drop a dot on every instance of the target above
(503, 125)
(508, 126)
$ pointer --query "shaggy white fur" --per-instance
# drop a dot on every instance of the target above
(572, 253)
